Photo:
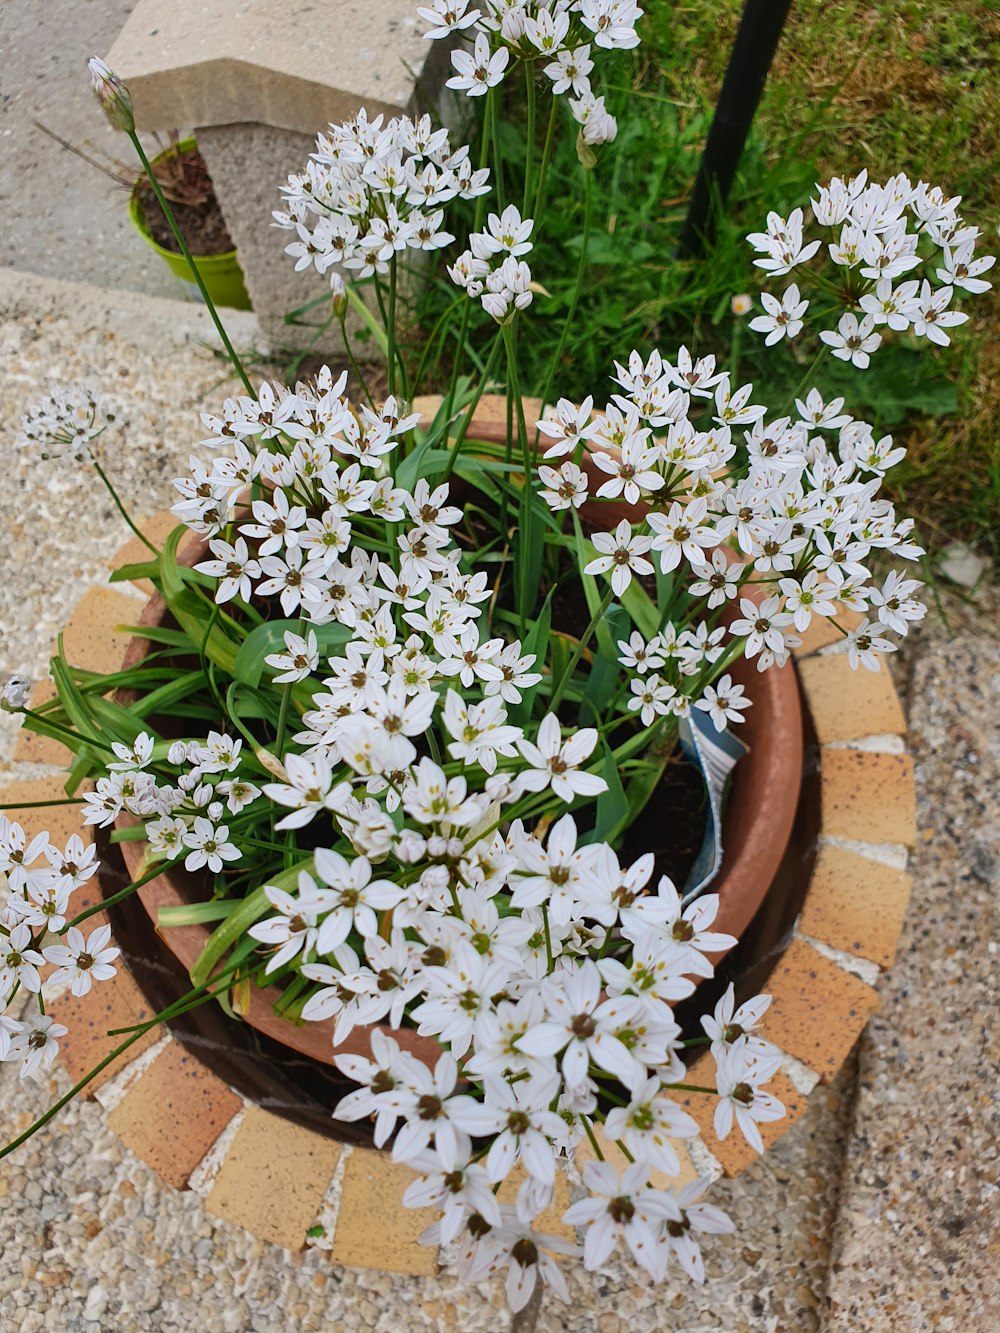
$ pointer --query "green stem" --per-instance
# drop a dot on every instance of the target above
(525, 534)
(141, 1031)
(354, 364)
(577, 287)
(104, 903)
(550, 135)
(529, 81)
(808, 375)
(199, 281)
(390, 328)
(121, 508)
(470, 413)
(577, 653)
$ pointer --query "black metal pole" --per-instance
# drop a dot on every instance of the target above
(756, 42)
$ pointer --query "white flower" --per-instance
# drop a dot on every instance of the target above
(612, 22)
(739, 1074)
(682, 532)
(932, 316)
(478, 71)
(782, 318)
(15, 694)
(581, 1026)
(555, 762)
(515, 674)
(36, 1044)
(210, 846)
(723, 702)
(19, 962)
(854, 340)
(447, 16)
(863, 644)
(718, 582)
(694, 1216)
(569, 70)
(296, 928)
(234, 568)
(651, 698)
(479, 731)
(895, 604)
(299, 661)
(308, 790)
(623, 1209)
(505, 234)
(631, 471)
(622, 552)
(890, 305)
(961, 270)
(82, 961)
(729, 1024)
(569, 426)
(353, 898)
(648, 1124)
(565, 487)
(761, 625)
(554, 874)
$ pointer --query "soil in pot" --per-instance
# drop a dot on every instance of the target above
(184, 176)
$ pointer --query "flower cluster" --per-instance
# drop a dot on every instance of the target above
(560, 33)
(36, 932)
(881, 235)
(64, 423)
(374, 189)
(792, 508)
(493, 268)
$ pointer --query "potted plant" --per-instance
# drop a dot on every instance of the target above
(180, 175)
(392, 763)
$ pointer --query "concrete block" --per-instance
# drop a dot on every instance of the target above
(294, 65)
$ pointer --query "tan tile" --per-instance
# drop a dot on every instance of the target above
(855, 904)
(30, 748)
(845, 704)
(374, 1230)
(822, 631)
(550, 1220)
(90, 639)
(134, 552)
(584, 1153)
(116, 1003)
(173, 1113)
(733, 1153)
(817, 1009)
(868, 797)
(59, 821)
(273, 1179)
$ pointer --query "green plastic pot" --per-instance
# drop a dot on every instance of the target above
(221, 274)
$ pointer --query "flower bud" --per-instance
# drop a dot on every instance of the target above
(339, 292)
(112, 94)
(15, 694)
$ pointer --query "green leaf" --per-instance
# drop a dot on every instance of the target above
(144, 569)
(197, 914)
(234, 928)
(269, 638)
(192, 611)
(612, 805)
(605, 671)
(537, 642)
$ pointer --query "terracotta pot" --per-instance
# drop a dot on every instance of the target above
(757, 826)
